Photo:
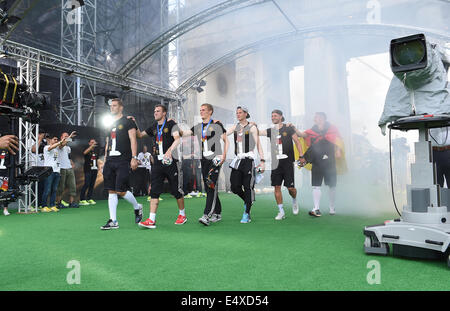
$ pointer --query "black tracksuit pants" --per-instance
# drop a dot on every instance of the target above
(243, 182)
(213, 205)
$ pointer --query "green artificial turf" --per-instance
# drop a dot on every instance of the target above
(298, 253)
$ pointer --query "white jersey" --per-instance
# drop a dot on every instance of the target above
(64, 157)
(52, 158)
(144, 158)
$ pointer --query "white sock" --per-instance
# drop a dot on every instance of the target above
(152, 216)
(129, 197)
(181, 211)
(316, 197)
(280, 207)
(112, 205)
(332, 197)
(294, 201)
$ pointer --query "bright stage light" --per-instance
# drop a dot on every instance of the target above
(107, 120)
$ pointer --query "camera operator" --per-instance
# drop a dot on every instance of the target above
(8, 145)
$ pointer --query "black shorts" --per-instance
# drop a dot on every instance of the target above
(320, 174)
(116, 175)
(174, 176)
(284, 172)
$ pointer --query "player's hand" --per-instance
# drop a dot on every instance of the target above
(73, 134)
(168, 154)
(131, 118)
(224, 157)
(262, 167)
(134, 164)
(10, 143)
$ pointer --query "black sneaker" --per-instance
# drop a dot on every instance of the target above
(138, 214)
(315, 213)
(74, 205)
(110, 225)
(60, 206)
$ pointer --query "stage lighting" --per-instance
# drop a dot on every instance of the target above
(107, 120)
(7, 21)
(198, 85)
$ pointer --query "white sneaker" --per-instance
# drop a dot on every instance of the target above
(280, 216)
(204, 220)
(332, 211)
(295, 209)
(6, 213)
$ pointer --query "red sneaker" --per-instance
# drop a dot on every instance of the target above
(148, 224)
(181, 220)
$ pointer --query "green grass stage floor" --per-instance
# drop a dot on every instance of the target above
(298, 253)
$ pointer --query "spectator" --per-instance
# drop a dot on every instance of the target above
(91, 155)
(67, 180)
(38, 161)
(51, 159)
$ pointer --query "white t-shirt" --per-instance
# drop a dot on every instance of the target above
(64, 156)
(51, 158)
(35, 161)
(144, 158)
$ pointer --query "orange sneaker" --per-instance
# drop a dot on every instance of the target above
(148, 224)
(181, 220)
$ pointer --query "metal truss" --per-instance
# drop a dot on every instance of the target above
(28, 73)
(321, 31)
(174, 7)
(69, 67)
(183, 27)
(78, 33)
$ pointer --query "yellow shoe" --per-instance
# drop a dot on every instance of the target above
(149, 199)
(160, 199)
(54, 208)
(45, 210)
